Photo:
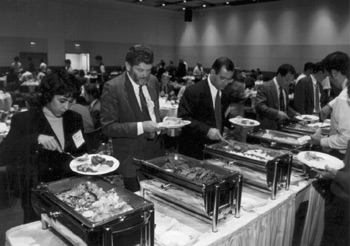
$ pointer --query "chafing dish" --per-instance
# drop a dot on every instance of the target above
(302, 129)
(220, 196)
(276, 165)
(133, 227)
(280, 140)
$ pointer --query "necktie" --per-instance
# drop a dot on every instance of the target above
(317, 98)
(218, 110)
(144, 107)
(282, 105)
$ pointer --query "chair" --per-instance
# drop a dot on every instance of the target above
(93, 140)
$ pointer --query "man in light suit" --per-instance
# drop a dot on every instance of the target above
(130, 112)
(272, 107)
(201, 104)
(306, 89)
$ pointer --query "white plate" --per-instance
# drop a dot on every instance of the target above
(168, 126)
(324, 159)
(100, 169)
(244, 122)
(307, 117)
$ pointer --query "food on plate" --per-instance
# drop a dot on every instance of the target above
(244, 121)
(310, 156)
(84, 157)
(172, 121)
(181, 168)
(97, 162)
(93, 202)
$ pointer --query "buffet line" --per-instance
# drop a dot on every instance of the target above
(98, 212)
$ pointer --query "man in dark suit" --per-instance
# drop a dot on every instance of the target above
(130, 112)
(272, 99)
(201, 104)
(306, 100)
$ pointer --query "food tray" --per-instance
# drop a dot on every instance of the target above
(138, 221)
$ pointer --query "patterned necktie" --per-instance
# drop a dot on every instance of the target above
(144, 107)
(317, 98)
(282, 105)
(218, 110)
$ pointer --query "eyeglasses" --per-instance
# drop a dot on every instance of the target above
(226, 80)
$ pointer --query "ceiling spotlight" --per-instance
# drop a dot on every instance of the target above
(77, 45)
(183, 8)
(184, 1)
(32, 43)
(227, 2)
(140, 0)
(163, 4)
(204, 5)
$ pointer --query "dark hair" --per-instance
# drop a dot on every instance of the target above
(67, 61)
(223, 62)
(139, 53)
(60, 83)
(318, 67)
(98, 57)
(16, 58)
(338, 61)
(309, 66)
(284, 69)
(92, 90)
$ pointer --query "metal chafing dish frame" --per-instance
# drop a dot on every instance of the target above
(210, 191)
(53, 211)
(291, 129)
(278, 171)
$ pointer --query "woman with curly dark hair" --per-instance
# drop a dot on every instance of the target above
(40, 138)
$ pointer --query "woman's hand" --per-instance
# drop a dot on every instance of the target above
(49, 143)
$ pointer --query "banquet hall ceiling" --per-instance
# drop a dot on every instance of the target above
(177, 5)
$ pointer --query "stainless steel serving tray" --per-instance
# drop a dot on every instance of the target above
(47, 192)
(239, 150)
(277, 139)
(303, 130)
(154, 166)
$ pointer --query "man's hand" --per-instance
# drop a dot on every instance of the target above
(150, 126)
(316, 138)
(329, 173)
(49, 143)
(282, 115)
(214, 134)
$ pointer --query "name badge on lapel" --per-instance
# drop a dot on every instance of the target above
(78, 139)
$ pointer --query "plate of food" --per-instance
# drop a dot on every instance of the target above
(173, 122)
(244, 122)
(94, 164)
(319, 160)
(307, 117)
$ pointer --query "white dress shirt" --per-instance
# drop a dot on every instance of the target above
(213, 91)
(150, 103)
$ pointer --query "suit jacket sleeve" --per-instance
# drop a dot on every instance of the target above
(299, 97)
(17, 143)
(112, 108)
(187, 110)
(262, 104)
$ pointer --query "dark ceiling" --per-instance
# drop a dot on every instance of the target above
(177, 5)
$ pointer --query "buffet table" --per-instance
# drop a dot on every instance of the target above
(269, 223)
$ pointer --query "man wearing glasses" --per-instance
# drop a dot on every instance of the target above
(201, 104)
